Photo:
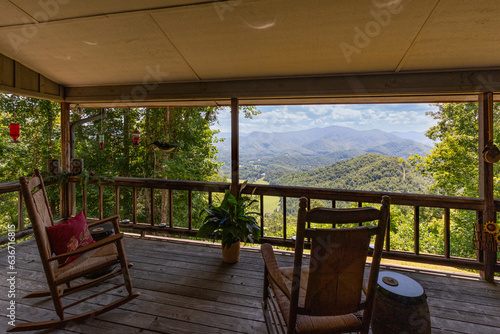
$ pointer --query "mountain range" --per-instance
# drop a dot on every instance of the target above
(324, 141)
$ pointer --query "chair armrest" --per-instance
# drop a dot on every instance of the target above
(273, 268)
(95, 245)
(113, 219)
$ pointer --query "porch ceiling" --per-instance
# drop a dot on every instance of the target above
(127, 44)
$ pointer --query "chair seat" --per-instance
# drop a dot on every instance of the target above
(87, 261)
(312, 324)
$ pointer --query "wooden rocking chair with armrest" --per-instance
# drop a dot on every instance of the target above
(93, 258)
(329, 295)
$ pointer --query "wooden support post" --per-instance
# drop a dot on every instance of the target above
(235, 142)
(66, 196)
(485, 110)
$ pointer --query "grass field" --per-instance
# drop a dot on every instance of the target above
(270, 202)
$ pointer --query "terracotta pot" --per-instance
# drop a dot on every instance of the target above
(231, 254)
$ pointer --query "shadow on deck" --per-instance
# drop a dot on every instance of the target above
(185, 288)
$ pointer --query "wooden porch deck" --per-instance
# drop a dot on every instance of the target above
(185, 288)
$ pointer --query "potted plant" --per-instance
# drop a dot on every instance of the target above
(232, 221)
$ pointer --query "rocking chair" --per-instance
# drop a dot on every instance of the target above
(327, 295)
(89, 259)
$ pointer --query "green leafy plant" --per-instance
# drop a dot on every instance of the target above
(231, 220)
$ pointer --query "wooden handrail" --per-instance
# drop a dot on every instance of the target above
(431, 201)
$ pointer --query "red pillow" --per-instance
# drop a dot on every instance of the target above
(68, 236)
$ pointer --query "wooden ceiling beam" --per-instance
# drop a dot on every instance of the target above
(409, 85)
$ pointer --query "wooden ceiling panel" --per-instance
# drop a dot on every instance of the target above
(47, 10)
(272, 39)
(11, 15)
(100, 51)
(461, 34)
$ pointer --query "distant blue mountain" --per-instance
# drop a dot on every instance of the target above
(323, 141)
(416, 136)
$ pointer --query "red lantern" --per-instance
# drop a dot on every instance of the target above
(136, 137)
(14, 132)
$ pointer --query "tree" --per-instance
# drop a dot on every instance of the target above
(39, 141)
(454, 165)
(453, 162)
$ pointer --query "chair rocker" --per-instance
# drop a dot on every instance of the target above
(329, 295)
(93, 258)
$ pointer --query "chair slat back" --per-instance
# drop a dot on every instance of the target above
(336, 269)
(338, 259)
(37, 205)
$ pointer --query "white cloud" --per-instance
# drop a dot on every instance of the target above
(386, 117)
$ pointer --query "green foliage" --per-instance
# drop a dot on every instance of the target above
(453, 162)
(231, 220)
(39, 122)
(370, 172)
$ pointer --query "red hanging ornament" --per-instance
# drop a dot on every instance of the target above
(14, 132)
(101, 142)
(136, 137)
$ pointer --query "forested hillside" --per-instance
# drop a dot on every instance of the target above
(371, 172)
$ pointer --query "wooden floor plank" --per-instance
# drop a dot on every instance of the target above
(187, 289)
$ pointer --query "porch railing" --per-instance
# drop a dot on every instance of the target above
(208, 189)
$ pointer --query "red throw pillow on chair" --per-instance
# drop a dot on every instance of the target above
(68, 236)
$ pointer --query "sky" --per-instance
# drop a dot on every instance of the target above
(385, 117)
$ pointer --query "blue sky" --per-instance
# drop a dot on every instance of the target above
(386, 117)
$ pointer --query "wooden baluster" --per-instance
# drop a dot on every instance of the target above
(20, 212)
(360, 205)
(416, 230)
(190, 210)
(284, 218)
(84, 200)
(388, 235)
(171, 208)
(117, 200)
(478, 230)
(446, 219)
(262, 215)
(152, 193)
(101, 202)
(134, 205)
(334, 204)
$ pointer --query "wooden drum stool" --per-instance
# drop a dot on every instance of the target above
(100, 232)
(400, 306)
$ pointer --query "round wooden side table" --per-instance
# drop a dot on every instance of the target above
(400, 306)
